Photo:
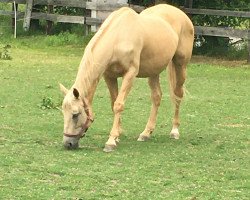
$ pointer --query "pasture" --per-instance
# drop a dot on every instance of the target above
(209, 161)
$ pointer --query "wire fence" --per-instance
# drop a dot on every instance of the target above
(10, 19)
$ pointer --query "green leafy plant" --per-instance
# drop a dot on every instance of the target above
(5, 53)
(48, 103)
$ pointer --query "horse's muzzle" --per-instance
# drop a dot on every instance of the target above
(70, 142)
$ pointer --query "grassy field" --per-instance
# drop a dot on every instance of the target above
(210, 161)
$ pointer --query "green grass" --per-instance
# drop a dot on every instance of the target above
(210, 161)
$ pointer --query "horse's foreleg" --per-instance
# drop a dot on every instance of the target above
(119, 107)
(112, 84)
(113, 88)
(156, 95)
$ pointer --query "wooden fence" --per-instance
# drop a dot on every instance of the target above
(99, 11)
(221, 31)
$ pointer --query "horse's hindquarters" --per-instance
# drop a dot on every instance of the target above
(159, 46)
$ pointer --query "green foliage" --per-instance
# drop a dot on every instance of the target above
(48, 103)
(142, 2)
(62, 27)
(5, 53)
(63, 38)
(218, 46)
(222, 4)
(235, 53)
(62, 10)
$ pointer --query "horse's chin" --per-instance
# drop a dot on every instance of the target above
(70, 143)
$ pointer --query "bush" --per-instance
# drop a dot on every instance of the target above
(218, 46)
(5, 53)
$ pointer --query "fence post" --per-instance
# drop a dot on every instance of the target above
(98, 12)
(14, 10)
(188, 3)
(94, 15)
(15, 19)
(27, 16)
(49, 23)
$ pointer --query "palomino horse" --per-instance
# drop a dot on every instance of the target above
(130, 45)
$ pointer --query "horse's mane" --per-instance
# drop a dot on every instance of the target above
(104, 26)
(87, 73)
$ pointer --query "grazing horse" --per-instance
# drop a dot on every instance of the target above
(130, 45)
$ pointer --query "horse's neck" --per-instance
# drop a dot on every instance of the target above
(95, 60)
(92, 66)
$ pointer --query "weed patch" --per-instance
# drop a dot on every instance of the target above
(48, 103)
(5, 52)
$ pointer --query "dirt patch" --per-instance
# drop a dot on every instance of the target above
(219, 61)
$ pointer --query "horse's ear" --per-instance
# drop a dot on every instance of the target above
(63, 89)
(76, 93)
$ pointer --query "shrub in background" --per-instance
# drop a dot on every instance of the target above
(219, 46)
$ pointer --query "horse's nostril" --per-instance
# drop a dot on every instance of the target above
(71, 145)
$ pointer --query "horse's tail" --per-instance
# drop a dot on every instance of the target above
(172, 83)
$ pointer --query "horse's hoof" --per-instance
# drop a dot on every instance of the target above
(143, 138)
(109, 148)
(175, 136)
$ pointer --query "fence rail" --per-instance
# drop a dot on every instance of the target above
(230, 13)
(69, 3)
(221, 32)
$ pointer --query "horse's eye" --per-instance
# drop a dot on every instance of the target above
(75, 116)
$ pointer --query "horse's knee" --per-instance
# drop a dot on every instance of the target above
(118, 107)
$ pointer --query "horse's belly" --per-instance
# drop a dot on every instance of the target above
(151, 67)
(155, 59)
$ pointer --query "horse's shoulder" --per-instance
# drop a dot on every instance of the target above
(123, 10)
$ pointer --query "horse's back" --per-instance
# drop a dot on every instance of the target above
(180, 23)
(178, 20)
(146, 40)
(151, 38)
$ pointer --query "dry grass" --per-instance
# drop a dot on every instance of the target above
(218, 61)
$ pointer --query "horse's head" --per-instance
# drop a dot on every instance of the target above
(77, 117)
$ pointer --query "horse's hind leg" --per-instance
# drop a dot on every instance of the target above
(177, 75)
(178, 68)
(156, 95)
